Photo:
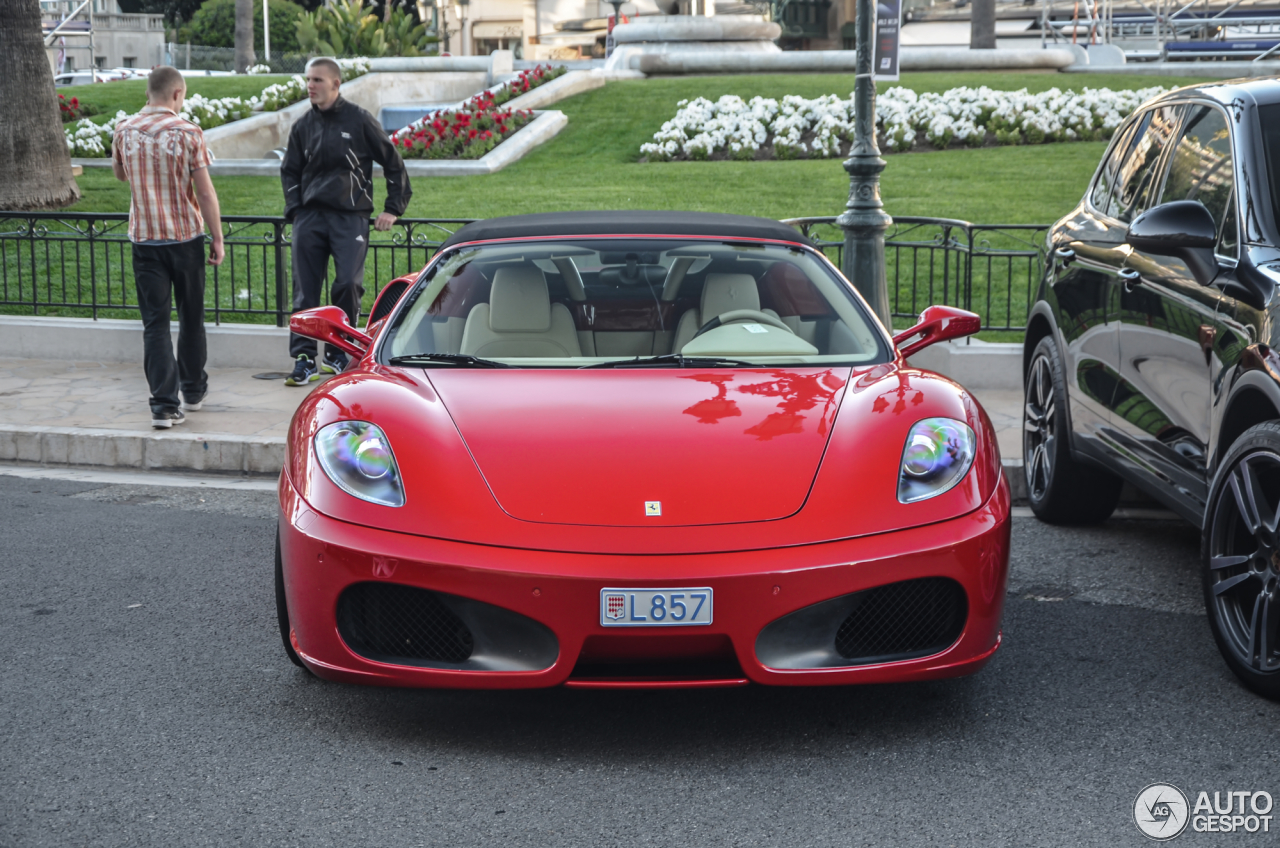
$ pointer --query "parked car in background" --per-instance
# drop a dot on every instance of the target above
(86, 77)
(637, 450)
(1150, 354)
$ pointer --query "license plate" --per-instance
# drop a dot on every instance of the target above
(654, 607)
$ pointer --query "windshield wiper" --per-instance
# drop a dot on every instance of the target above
(451, 358)
(677, 359)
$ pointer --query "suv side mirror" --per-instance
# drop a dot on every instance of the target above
(1183, 229)
(328, 324)
(938, 324)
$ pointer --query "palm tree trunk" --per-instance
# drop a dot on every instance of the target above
(982, 25)
(244, 36)
(33, 149)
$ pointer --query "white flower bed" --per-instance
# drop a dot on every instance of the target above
(732, 128)
(93, 141)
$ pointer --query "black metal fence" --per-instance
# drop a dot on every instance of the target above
(81, 264)
(990, 269)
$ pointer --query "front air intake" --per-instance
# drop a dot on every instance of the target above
(899, 621)
(402, 624)
(913, 618)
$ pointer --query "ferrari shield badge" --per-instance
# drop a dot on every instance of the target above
(615, 607)
(653, 507)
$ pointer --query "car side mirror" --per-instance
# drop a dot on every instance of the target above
(938, 324)
(329, 324)
(1183, 229)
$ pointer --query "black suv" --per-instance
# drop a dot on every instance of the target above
(1151, 349)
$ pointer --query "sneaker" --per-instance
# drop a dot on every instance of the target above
(335, 362)
(303, 372)
(165, 420)
(193, 406)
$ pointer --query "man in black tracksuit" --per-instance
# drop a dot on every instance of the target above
(328, 193)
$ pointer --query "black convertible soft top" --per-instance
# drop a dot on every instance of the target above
(626, 223)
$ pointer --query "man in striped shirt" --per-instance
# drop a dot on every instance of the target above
(166, 163)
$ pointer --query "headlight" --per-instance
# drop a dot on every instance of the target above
(937, 455)
(357, 458)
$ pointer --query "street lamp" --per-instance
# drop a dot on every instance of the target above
(442, 23)
(460, 8)
(864, 220)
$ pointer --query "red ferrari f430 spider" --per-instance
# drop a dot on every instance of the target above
(609, 450)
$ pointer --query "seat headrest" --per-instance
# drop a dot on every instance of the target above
(519, 302)
(726, 292)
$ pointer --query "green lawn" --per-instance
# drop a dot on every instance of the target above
(592, 165)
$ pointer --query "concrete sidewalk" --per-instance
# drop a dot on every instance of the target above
(60, 412)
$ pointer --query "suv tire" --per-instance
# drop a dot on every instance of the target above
(1241, 558)
(1060, 490)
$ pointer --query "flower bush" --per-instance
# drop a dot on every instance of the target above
(73, 110)
(763, 128)
(527, 81)
(476, 127)
(89, 140)
(466, 133)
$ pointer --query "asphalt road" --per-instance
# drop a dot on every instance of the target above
(145, 700)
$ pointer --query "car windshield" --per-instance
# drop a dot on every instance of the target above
(645, 302)
(1269, 121)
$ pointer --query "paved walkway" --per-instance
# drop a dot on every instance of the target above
(90, 413)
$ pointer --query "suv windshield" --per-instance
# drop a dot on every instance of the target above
(579, 302)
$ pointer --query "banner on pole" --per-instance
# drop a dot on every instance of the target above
(888, 27)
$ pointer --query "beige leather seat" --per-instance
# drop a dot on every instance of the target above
(721, 293)
(520, 319)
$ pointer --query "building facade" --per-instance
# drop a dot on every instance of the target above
(100, 36)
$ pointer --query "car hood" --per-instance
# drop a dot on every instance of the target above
(645, 447)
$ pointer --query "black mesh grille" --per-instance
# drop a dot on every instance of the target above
(386, 622)
(387, 300)
(913, 618)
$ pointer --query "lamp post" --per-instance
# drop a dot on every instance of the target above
(460, 7)
(442, 23)
(864, 220)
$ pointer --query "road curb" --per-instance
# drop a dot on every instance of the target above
(120, 340)
(1017, 480)
(148, 450)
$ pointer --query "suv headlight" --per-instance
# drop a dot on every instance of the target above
(357, 457)
(936, 457)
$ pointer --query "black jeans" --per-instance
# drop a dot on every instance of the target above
(167, 275)
(318, 234)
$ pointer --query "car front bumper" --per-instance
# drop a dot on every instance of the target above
(560, 592)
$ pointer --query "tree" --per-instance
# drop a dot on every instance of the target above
(244, 35)
(351, 28)
(214, 25)
(982, 25)
(33, 149)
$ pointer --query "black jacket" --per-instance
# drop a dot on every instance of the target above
(329, 162)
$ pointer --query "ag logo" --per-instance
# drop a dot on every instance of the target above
(1160, 811)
